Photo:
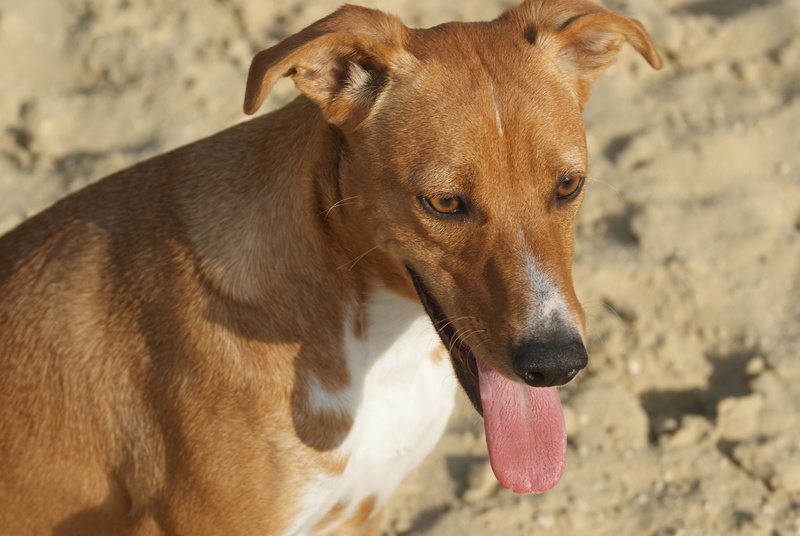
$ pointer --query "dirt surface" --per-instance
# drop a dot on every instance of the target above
(687, 421)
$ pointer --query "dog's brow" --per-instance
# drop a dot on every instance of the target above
(573, 159)
(442, 178)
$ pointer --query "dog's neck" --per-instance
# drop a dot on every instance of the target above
(277, 222)
(274, 232)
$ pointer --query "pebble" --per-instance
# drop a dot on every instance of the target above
(693, 430)
(667, 426)
(790, 55)
(402, 525)
(788, 477)
(634, 368)
(643, 148)
(546, 520)
(623, 427)
(482, 484)
(571, 421)
(755, 366)
(775, 461)
(738, 417)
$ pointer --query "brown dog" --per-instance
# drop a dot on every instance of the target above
(228, 339)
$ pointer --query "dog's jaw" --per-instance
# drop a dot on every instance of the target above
(464, 360)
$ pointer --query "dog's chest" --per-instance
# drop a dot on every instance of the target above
(401, 395)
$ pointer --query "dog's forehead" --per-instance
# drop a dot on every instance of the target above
(480, 99)
(459, 67)
(498, 44)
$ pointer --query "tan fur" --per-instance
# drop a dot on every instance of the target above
(159, 329)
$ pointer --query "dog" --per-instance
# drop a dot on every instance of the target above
(263, 332)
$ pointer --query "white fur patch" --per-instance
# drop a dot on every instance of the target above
(401, 399)
(494, 105)
(548, 305)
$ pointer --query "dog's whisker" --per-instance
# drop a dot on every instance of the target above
(342, 202)
(611, 308)
(592, 309)
(473, 333)
(604, 183)
(595, 307)
(452, 320)
(456, 338)
(484, 341)
(351, 264)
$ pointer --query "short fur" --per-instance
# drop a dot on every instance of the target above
(186, 345)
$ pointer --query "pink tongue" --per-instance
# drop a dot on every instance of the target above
(525, 432)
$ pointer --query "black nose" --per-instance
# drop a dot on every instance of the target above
(546, 365)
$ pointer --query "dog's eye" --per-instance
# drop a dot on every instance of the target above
(444, 204)
(569, 187)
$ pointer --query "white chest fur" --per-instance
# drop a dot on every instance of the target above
(400, 397)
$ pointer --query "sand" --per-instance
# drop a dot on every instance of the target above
(687, 420)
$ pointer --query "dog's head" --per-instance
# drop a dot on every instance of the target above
(466, 161)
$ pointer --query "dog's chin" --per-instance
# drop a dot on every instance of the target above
(464, 361)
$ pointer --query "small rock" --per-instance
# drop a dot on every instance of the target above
(571, 422)
(482, 484)
(790, 54)
(667, 426)
(774, 461)
(642, 148)
(693, 430)
(609, 417)
(738, 418)
(546, 520)
(748, 72)
(788, 478)
(755, 366)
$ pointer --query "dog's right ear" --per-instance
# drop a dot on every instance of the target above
(584, 37)
(340, 62)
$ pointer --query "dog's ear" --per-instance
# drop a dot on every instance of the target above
(340, 62)
(586, 37)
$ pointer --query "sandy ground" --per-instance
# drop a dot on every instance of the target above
(688, 245)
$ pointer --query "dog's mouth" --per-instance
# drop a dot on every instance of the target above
(464, 360)
(525, 433)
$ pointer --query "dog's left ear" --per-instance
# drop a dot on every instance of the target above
(340, 62)
(584, 36)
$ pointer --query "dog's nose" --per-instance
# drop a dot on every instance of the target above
(546, 365)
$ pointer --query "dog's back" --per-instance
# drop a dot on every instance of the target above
(117, 342)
